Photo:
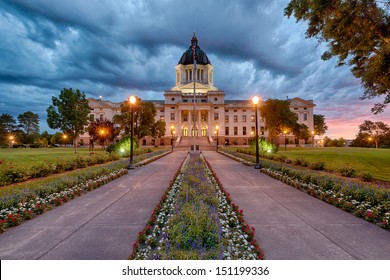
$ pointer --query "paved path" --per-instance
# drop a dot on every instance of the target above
(292, 225)
(102, 224)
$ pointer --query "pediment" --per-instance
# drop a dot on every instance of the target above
(299, 102)
(190, 87)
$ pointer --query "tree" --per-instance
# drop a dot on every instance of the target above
(358, 33)
(334, 142)
(278, 117)
(71, 115)
(301, 131)
(376, 131)
(45, 138)
(158, 129)
(144, 120)
(7, 126)
(102, 130)
(29, 124)
(320, 126)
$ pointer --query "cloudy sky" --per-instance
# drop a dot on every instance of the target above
(115, 48)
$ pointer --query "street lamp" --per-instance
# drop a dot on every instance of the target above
(172, 127)
(102, 132)
(255, 101)
(11, 138)
(217, 131)
(285, 143)
(312, 134)
(65, 136)
(132, 102)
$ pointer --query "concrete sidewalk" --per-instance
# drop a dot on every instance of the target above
(102, 224)
(292, 225)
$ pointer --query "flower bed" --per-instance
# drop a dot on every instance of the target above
(46, 197)
(150, 157)
(195, 219)
(19, 203)
(362, 200)
(10, 174)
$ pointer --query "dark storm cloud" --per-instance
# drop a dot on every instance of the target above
(112, 48)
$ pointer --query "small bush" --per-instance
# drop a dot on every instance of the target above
(366, 177)
(301, 162)
(42, 170)
(347, 171)
(318, 165)
(34, 145)
(10, 174)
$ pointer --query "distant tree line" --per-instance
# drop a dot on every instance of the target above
(23, 130)
(372, 134)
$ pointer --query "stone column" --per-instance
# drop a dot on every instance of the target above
(200, 123)
(209, 129)
(178, 132)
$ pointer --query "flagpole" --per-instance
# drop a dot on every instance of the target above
(194, 80)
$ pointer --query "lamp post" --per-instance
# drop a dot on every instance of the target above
(132, 102)
(102, 132)
(285, 144)
(255, 101)
(312, 135)
(65, 136)
(11, 138)
(217, 131)
(172, 127)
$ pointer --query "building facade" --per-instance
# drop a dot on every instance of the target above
(210, 114)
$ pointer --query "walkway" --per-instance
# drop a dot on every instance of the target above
(292, 225)
(102, 224)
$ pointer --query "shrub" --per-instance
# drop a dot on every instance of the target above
(301, 162)
(10, 174)
(42, 170)
(347, 171)
(366, 177)
(318, 165)
(34, 145)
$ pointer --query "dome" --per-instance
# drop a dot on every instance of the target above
(201, 56)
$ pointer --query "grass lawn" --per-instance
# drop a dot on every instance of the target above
(25, 157)
(374, 161)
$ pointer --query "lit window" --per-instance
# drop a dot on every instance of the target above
(235, 118)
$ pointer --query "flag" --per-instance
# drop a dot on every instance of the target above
(194, 43)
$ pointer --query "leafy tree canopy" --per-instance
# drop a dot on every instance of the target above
(69, 113)
(358, 33)
(29, 122)
(7, 126)
(320, 126)
(144, 120)
(102, 130)
(375, 131)
(278, 116)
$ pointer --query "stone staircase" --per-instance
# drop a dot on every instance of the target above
(202, 141)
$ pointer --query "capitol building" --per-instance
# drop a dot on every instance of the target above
(210, 114)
